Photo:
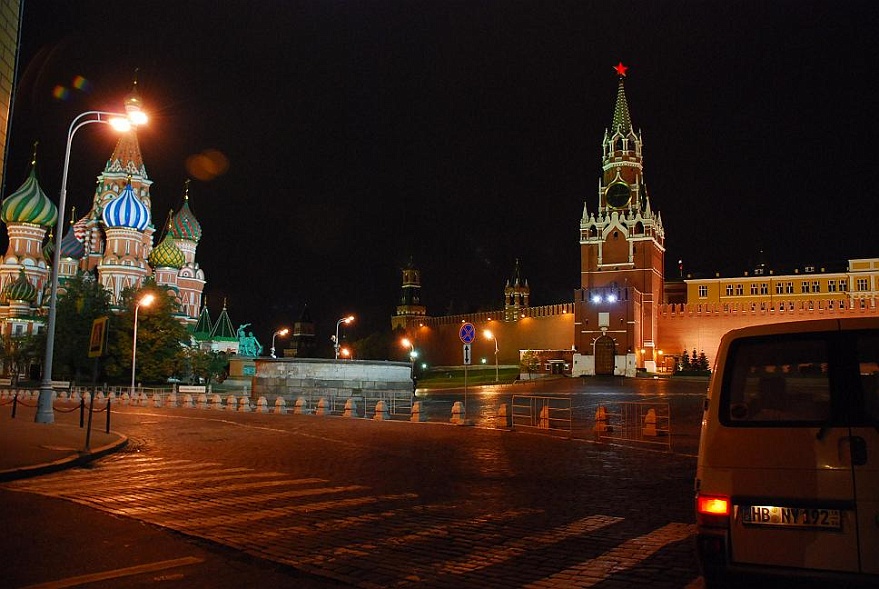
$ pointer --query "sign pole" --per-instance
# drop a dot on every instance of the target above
(467, 333)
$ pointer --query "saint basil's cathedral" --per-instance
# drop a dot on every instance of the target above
(112, 242)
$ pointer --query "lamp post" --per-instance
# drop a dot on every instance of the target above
(336, 343)
(122, 122)
(282, 333)
(489, 335)
(407, 343)
(145, 301)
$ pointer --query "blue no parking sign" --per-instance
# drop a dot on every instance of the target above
(467, 333)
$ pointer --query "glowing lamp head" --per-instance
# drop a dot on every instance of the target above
(146, 300)
(596, 298)
(488, 334)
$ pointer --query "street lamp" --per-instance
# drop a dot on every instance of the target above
(145, 301)
(407, 343)
(282, 333)
(489, 335)
(121, 122)
(336, 343)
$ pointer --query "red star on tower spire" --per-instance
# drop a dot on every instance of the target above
(621, 69)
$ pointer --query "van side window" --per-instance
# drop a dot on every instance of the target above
(868, 364)
(777, 380)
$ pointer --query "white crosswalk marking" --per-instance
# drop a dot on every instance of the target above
(499, 554)
(335, 530)
(625, 556)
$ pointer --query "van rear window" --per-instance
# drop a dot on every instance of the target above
(779, 380)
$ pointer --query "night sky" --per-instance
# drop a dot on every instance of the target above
(464, 135)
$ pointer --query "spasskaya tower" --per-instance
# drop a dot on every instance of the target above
(621, 259)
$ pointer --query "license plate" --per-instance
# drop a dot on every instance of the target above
(790, 517)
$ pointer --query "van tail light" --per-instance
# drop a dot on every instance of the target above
(712, 505)
(713, 510)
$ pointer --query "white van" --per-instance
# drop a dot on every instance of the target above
(787, 481)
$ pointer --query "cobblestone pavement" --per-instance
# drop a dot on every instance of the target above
(398, 504)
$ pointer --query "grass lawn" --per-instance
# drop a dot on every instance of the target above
(454, 377)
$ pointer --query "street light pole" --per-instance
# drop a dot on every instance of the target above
(121, 122)
(145, 301)
(412, 355)
(281, 332)
(336, 343)
(491, 335)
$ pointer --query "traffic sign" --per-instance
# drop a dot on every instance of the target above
(467, 355)
(467, 333)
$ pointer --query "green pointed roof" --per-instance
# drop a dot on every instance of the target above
(223, 327)
(204, 326)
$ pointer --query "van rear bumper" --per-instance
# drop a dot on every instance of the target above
(712, 549)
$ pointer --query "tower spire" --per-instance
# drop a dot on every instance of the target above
(622, 122)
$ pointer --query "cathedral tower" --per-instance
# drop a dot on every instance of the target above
(621, 256)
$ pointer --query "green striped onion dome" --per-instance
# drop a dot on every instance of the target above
(167, 255)
(184, 225)
(29, 204)
(49, 247)
(20, 289)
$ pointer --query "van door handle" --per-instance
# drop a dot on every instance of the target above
(858, 448)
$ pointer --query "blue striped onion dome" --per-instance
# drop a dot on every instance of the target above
(71, 247)
(126, 210)
(20, 289)
(184, 225)
(29, 204)
(167, 255)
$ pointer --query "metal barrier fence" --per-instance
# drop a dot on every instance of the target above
(548, 414)
(639, 423)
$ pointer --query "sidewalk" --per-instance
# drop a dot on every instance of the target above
(30, 449)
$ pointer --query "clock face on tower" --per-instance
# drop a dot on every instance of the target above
(617, 195)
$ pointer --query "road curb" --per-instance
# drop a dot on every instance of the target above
(78, 459)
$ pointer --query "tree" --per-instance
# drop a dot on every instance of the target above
(207, 364)
(377, 346)
(160, 337)
(18, 353)
(530, 362)
(81, 302)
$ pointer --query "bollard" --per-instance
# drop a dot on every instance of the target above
(503, 419)
(457, 413)
(281, 406)
(244, 405)
(350, 408)
(381, 411)
(202, 401)
(650, 424)
(231, 403)
(157, 399)
(543, 420)
(601, 426)
(262, 406)
(81, 413)
(187, 401)
(323, 407)
(171, 401)
(417, 414)
(301, 407)
(216, 402)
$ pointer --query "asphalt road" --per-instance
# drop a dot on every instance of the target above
(263, 499)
